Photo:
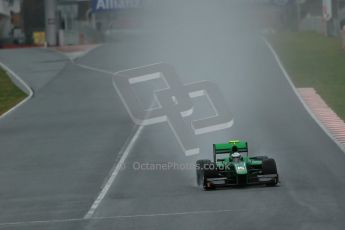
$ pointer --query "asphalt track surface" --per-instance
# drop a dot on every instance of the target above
(57, 149)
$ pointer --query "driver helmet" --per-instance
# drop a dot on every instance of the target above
(235, 154)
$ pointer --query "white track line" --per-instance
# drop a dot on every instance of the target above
(276, 57)
(31, 93)
(114, 173)
(116, 169)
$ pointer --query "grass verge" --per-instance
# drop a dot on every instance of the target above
(313, 60)
(10, 94)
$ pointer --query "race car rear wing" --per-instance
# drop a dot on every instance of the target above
(242, 146)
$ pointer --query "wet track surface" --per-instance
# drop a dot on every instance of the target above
(58, 148)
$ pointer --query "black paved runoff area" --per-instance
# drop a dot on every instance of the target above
(56, 151)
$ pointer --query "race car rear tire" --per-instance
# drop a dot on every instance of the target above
(200, 166)
(269, 167)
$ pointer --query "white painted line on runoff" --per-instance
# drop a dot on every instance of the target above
(33, 222)
(31, 93)
(276, 57)
(95, 69)
(114, 173)
(201, 212)
(172, 214)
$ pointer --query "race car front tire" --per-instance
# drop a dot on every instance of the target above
(200, 166)
(209, 172)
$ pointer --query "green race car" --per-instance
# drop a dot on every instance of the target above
(233, 166)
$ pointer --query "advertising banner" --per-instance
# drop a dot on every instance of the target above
(108, 5)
